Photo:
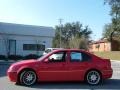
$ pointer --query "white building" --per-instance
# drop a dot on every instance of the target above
(18, 39)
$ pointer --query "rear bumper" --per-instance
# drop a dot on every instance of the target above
(12, 76)
(107, 74)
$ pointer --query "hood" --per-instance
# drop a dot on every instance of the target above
(25, 62)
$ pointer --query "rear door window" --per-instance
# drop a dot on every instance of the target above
(79, 56)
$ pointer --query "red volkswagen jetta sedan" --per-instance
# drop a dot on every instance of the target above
(61, 65)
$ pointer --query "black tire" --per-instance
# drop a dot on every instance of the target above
(28, 77)
(93, 77)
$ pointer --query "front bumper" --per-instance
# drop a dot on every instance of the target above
(12, 76)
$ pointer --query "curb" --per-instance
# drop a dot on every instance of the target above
(115, 60)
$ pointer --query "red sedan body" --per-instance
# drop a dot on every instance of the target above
(62, 65)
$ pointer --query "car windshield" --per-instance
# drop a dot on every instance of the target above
(44, 56)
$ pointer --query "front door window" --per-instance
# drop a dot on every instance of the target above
(57, 57)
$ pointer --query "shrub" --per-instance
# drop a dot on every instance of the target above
(3, 57)
(15, 57)
(31, 56)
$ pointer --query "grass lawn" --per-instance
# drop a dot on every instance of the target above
(113, 55)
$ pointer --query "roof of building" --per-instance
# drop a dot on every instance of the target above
(21, 29)
(100, 41)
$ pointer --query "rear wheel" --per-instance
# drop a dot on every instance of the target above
(93, 77)
(28, 77)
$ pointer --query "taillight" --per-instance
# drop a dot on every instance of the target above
(108, 63)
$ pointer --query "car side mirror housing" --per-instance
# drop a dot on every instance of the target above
(46, 60)
(49, 60)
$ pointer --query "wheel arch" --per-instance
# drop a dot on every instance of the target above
(92, 70)
(25, 69)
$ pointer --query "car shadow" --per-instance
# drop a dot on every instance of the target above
(107, 84)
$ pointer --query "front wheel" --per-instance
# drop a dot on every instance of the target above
(93, 77)
(28, 78)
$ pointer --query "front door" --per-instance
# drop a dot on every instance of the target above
(55, 68)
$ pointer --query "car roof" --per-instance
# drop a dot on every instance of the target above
(54, 48)
(69, 50)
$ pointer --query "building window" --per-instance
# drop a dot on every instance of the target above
(34, 47)
(98, 46)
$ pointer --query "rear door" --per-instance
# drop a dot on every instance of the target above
(79, 62)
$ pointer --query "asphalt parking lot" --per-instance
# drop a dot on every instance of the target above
(113, 83)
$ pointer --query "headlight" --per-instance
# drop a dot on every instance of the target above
(13, 68)
(10, 68)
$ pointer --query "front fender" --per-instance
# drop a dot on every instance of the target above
(25, 67)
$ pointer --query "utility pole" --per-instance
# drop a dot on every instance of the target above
(60, 22)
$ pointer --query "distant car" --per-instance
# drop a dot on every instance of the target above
(47, 50)
(61, 65)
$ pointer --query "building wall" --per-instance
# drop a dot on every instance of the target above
(24, 39)
(2, 47)
(99, 47)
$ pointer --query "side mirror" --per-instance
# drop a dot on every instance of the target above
(49, 60)
(46, 60)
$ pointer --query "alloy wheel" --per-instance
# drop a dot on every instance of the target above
(93, 77)
(28, 78)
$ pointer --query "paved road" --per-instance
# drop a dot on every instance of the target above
(113, 83)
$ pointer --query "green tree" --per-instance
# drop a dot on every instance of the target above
(79, 43)
(113, 29)
(71, 35)
(108, 29)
